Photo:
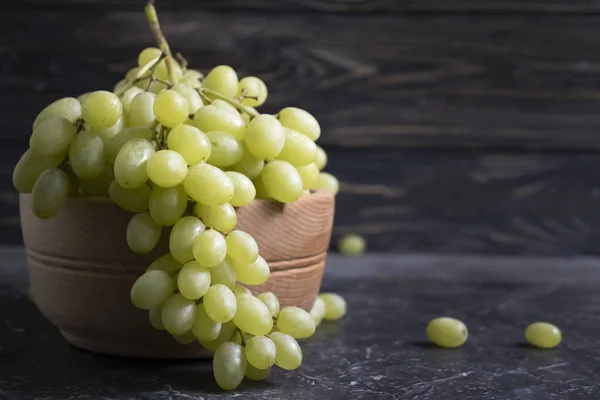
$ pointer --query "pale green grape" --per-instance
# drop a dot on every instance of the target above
(260, 352)
(226, 150)
(52, 136)
(444, 331)
(252, 316)
(295, 322)
(245, 116)
(289, 354)
(282, 181)
(211, 118)
(50, 193)
(155, 87)
(543, 335)
(352, 245)
(193, 280)
(271, 301)
(328, 182)
(220, 303)
(298, 149)
(130, 74)
(130, 164)
(147, 55)
(335, 306)
(229, 365)
(108, 133)
(165, 263)
(240, 290)
(309, 175)
(191, 82)
(186, 338)
(98, 186)
(192, 74)
(301, 121)
(101, 109)
(114, 144)
(30, 166)
(155, 318)
(167, 168)
(265, 137)
(119, 85)
(141, 110)
(128, 96)
(222, 104)
(257, 374)
(142, 233)
(87, 155)
(321, 160)
(82, 96)
(241, 248)
(222, 218)
(191, 96)
(204, 328)
(210, 248)
(178, 314)
(254, 87)
(170, 108)
(223, 274)
(132, 200)
(167, 205)
(208, 185)
(243, 189)
(317, 312)
(228, 334)
(248, 164)
(222, 79)
(152, 289)
(190, 142)
(261, 189)
(182, 238)
(162, 72)
(255, 273)
(67, 107)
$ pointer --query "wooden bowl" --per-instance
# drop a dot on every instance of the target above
(81, 269)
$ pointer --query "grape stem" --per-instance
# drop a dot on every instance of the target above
(239, 106)
(182, 61)
(139, 76)
(160, 39)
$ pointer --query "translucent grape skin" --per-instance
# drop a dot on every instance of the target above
(142, 233)
(271, 301)
(543, 335)
(222, 79)
(260, 352)
(114, 144)
(289, 354)
(309, 175)
(204, 328)
(223, 274)
(193, 280)
(240, 290)
(335, 306)
(152, 289)
(241, 248)
(87, 155)
(67, 107)
(295, 322)
(265, 137)
(209, 248)
(243, 189)
(128, 96)
(298, 149)
(226, 150)
(282, 181)
(257, 374)
(248, 165)
(254, 87)
(98, 186)
(132, 200)
(182, 238)
(352, 245)
(147, 55)
(170, 108)
(141, 110)
(317, 312)
(29, 168)
(50, 193)
(220, 303)
(208, 185)
(444, 331)
(328, 182)
(178, 314)
(300, 121)
(52, 136)
(186, 338)
(229, 365)
(255, 273)
(155, 318)
(107, 133)
(211, 118)
(228, 333)
(167, 205)
(222, 218)
(101, 109)
(191, 96)
(130, 164)
(190, 142)
(165, 263)
(252, 316)
(167, 168)
(321, 160)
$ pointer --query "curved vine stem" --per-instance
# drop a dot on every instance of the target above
(160, 39)
(236, 104)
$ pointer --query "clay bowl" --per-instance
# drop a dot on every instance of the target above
(81, 269)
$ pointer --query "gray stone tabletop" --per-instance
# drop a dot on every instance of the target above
(379, 351)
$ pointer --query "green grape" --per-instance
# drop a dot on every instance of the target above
(50, 193)
(108, 133)
(222, 79)
(208, 185)
(241, 248)
(265, 137)
(255, 273)
(178, 314)
(191, 96)
(271, 301)
(321, 160)
(260, 352)
(82, 96)
(223, 274)
(131, 74)
(186, 338)
(162, 72)
(227, 334)
(130, 164)
(114, 144)
(351, 245)
(328, 182)
(257, 374)
(167, 168)
(67, 107)
(443, 331)
(220, 303)
(147, 55)
(289, 354)
(243, 189)
(167, 205)
(152, 289)
(248, 164)
(317, 312)
(204, 328)
(132, 200)
(309, 175)
(190, 142)
(295, 322)
(543, 335)
(98, 186)
(252, 316)
(222, 218)
(141, 110)
(210, 248)
(301, 121)
(128, 96)
(119, 85)
(182, 238)
(165, 263)
(170, 108)
(222, 104)
(87, 155)
(282, 181)
(29, 168)
(261, 190)
(252, 86)
(193, 74)
(52, 136)
(229, 365)
(193, 280)
(211, 118)
(101, 109)
(335, 306)
(155, 317)
(240, 290)
(142, 233)
(226, 150)
(298, 149)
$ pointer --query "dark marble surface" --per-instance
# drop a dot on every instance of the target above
(379, 351)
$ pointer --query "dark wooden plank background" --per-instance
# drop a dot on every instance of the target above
(455, 126)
